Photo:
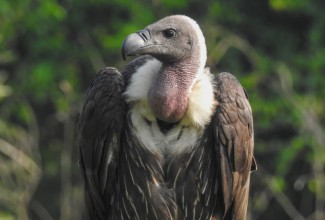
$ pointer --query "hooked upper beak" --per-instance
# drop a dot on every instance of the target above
(133, 43)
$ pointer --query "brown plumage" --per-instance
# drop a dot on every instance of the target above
(185, 157)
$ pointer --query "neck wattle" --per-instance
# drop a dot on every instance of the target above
(169, 94)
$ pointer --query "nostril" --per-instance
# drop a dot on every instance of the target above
(144, 34)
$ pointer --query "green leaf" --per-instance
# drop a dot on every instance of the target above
(280, 5)
(278, 184)
(6, 216)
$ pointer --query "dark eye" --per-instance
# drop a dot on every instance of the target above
(169, 33)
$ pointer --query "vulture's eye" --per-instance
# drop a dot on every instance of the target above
(169, 33)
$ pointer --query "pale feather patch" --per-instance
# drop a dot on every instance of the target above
(201, 101)
(142, 80)
(138, 89)
(155, 141)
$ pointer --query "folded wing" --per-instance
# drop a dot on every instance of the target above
(101, 124)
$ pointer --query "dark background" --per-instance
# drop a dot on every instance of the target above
(50, 50)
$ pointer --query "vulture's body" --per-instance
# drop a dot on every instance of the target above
(165, 139)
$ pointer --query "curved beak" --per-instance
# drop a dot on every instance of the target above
(133, 43)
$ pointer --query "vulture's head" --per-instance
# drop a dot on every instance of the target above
(172, 39)
(178, 43)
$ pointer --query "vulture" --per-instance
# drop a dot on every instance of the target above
(164, 138)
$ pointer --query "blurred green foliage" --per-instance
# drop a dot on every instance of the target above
(50, 50)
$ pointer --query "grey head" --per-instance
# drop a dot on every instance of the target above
(170, 39)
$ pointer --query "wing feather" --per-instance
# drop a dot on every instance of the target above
(101, 123)
(233, 132)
